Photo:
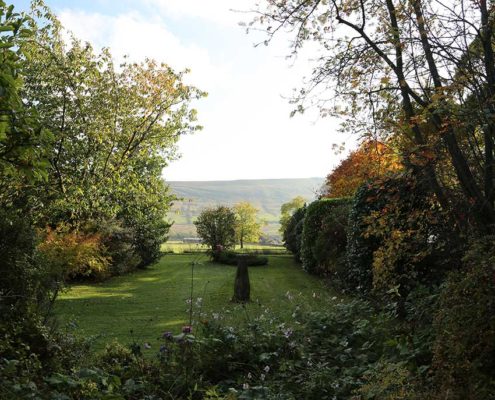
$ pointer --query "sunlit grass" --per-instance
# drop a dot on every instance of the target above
(140, 306)
(178, 247)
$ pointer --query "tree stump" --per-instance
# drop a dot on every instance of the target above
(242, 287)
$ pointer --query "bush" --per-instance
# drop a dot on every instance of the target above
(464, 350)
(216, 228)
(118, 242)
(149, 234)
(324, 235)
(230, 258)
(398, 237)
(78, 254)
(293, 233)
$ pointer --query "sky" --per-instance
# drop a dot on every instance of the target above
(248, 132)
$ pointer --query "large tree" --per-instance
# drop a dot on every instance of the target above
(287, 210)
(424, 70)
(248, 227)
(115, 127)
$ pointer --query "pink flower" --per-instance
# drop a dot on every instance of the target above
(187, 329)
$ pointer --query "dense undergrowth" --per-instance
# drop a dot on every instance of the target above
(82, 198)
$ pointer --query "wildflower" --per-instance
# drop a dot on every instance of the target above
(147, 345)
(249, 376)
(187, 329)
(199, 300)
(163, 348)
(245, 386)
(188, 301)
(215, 315)
(168, 335)
(262, 377)
(266, 369)
(287, 333)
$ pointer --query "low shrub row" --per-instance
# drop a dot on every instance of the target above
(231, 258)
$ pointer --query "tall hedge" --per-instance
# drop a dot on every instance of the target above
(398, 237)
(293, 233)
(324, 235)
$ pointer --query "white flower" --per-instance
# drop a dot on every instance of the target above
(249, 376)
(267, 369)
(215, 315)
(245, 386)
(262, 377)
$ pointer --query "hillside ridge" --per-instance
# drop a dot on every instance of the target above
(266, 194)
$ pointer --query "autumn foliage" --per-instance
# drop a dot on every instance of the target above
(371, 160)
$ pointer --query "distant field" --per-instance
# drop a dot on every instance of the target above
(179, 247)
(267, 195)
(140, 306)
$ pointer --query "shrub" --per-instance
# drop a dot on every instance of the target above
(358, 276)
(230, 258)
(398, 237)
(464, 350)
(149, 234)
(293, 233)
(324, 235)
(118, 242)
(79, 254)
(216, 227)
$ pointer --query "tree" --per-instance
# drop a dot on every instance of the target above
(115, 128)
(23, 139)
(287, 210)
(216, 227)
(248, 229)
(371, 160)
(424, 71)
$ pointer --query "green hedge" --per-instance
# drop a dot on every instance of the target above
(293, 233)
(230, 258)
(324, 235)
(398, 237)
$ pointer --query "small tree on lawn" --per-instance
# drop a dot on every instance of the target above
(248, 228)
(216, 227)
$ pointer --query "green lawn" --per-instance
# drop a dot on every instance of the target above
(152, 301)
(179, 247)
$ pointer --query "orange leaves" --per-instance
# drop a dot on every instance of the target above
(371, 160)
(76, 253)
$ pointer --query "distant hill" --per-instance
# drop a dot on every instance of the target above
(265, 194)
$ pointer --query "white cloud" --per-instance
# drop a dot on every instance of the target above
(248, 132)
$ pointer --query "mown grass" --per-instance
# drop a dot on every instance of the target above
(178, 247)
(140, 306)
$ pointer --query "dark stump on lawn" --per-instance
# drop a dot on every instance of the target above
(242, 287)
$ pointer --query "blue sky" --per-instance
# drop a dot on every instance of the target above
(247, 133)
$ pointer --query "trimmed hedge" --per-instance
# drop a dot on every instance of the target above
(293, 233)
(399, 237)
(324, 235)
(230, 258)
